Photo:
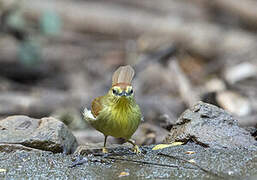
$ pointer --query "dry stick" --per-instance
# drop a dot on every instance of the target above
(202, 37)
(23, 103)
(177, 8)
(82, 161)
(194, 164)
(160, 55)
(144, 162)
(245, 10)
(185, 87)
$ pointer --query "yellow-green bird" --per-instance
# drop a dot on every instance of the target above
(116, 113)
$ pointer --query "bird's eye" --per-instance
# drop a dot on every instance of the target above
(114, 91)
(131, 92)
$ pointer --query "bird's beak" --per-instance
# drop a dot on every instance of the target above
(123, 93)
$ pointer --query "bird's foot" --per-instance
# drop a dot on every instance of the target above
(136, 149)
(105, 150)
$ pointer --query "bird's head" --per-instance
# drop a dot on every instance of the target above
(122, 90)
(121, 83)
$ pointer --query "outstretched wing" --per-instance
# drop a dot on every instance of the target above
(96, 106)
(124, 74)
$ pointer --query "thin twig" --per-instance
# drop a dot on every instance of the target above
(143, 162)
(194, 164)
(184, 84)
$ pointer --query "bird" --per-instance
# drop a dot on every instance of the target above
(116, 113)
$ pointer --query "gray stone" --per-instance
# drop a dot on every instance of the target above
(48, 134)
(169, 163)
(209, 125)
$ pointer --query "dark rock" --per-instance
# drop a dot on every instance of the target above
(210, 126)
(169, 163)
(23, 132)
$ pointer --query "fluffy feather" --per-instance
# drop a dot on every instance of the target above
(88, 115)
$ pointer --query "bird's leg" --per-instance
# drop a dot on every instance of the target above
(104, 148)
(135, 147)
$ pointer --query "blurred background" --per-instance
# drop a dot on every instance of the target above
(56, 56)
